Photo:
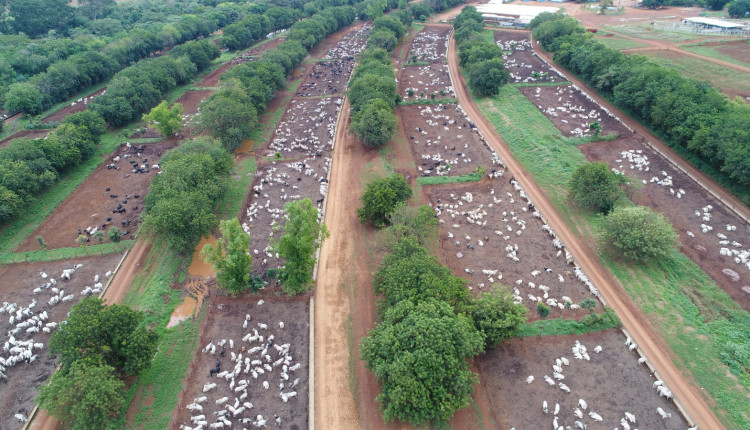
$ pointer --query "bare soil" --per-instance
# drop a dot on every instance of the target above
(703, 248)
(430, 44)
(572, 112)
(191, 100)
(79, 105)
(27, 134)
(611, 383)
(326, 78)
(521, 61)
(91, 203)
(307, 127)
(739, 50)
(224, 320)
(441, 135)
(18, 392)
(425, 82)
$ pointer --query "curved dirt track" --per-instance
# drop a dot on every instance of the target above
(632, 318)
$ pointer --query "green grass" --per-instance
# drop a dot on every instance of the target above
(442, 180)
(16, 232)
(696, 68)
(435, 101)
(66, 253)
(620, 43)
(706, 330)
(713, 52)
(541, 84)
(563, 326)
(487, 36)
(242, 178)
(151, 293)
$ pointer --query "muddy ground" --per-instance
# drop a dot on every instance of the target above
(18, 392)
(224, 320)
(572, 112)
(425, 82)
(611, 383)
(703, 248)
(440, 135)
(521, 61)
(307, 127)
(91, 203)
(326, 78)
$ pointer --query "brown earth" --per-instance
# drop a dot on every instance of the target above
(91, 204)
(192, 99)
(27, 134)
(431, 81)
(632, 318)
(611, 383)
(69, 109)
(739, 50)
(520, 60)
(18, 282)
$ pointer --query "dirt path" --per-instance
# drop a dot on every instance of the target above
(632, 318)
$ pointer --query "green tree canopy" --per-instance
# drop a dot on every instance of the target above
(497, 316)
(86, 396)
(739, 8)
(229, 115)
(405, 221)
(486, 77)
(381, 197)
(388, 22)
(375, 124)
(418, 353)
(167, 121)
(302, 236)
(23, 97)
(384, 39)
(638, 234)
(594, 187)
(231, 257)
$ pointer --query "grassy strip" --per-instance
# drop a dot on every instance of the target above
(417, 63)
(162, 382)
(242, 178)
(562, 326)
(706, 330)
(66, 253)
(541, 84)
(203, 88)
(436, 101)
(442, 180)
(620, 43)
(17, 231)
(487, 36)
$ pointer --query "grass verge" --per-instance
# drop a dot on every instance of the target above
(66, 253)
(620, 43)
(436, 101)
(707, 331)
(562, 326)
(242, 178)
(541, 84)
(441, 180)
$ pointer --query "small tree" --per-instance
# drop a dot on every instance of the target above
(231, 257)
(596, 128)
(99, 235)
(497, 316)
(303, 235)
(638, 234)
(594, 187)
(375, 123)
(41, 242)
(86, 396)
(589, 304)
(115, 234)
(81, 240)
(381, 197)
(542, 310)
(167, 121)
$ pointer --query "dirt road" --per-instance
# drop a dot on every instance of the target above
(632, 318)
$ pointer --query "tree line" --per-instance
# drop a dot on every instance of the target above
(482, 60)
(430, 324)
(688, 113)
(29, 166)
(232, 113)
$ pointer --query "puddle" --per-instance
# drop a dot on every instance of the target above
(199, 267)
(182, 312)
(246, 147)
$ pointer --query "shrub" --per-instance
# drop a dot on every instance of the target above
(381, 197)
(638, 234)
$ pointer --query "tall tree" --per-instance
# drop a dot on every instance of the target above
(375, 123)
(231, 257)
(418, 353)
(37, 17)
(302, 236)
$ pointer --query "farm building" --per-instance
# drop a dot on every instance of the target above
(712, 23)
(520, 15)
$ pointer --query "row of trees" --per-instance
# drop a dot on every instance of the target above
(482, 60)
(430, 322)
(690, 114)
(739, 9)
(99, 346)
(232, 113)
(255, 26)
(373, 93)
(29, 166)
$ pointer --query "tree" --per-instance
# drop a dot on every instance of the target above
(638, 234)
(594, 187)
(302, 236)
(375, 123)
(23, 97)
(41, 242)
(228, 116)
(739, 8)
(112, 333)
(382, 38)
(486, 77)
(85, 396)
(391, 23)
(497, 316)
(542, 310)
(418, 353)
(381, 197)
(653, 4)
(418, 223)
(99, 235)
(167, 121)
(231, 257)
(596, 128)
(115, 234)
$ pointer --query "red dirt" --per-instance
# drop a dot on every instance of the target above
(80, 106)
(60, 229)
(632, 318)
(191, 100)
(739, 50)
(18, 392)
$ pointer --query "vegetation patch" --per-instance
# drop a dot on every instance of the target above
(441, 180)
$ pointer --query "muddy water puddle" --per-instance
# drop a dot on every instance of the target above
(185, 310)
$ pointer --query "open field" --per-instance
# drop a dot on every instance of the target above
(737, 52)
(20, 280)
(615, 42)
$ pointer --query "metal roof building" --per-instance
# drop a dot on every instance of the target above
(713, 23)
